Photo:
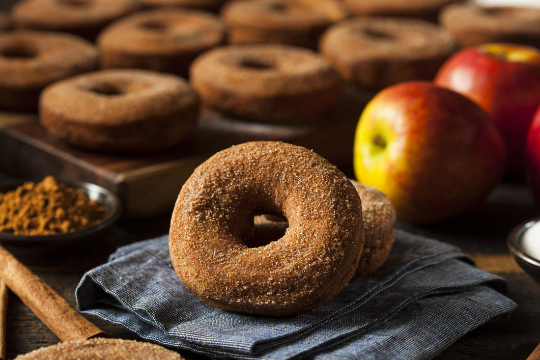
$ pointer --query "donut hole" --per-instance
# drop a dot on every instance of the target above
(266, 229)
(75, 3)
(106, 89)
(18, 52)
(154, 26)
(377, 34)
(256, 64)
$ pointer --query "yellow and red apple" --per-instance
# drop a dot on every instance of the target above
(533, 156)
(432, 151)
(504, 79)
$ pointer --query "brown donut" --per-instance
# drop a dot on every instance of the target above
(31, 60)
(419, 9)
(208, 5)
(85, 18)
(110, 349)
(214, 214)
(266, 82)
(293, 22)
(474, 25)
(379, 52)
(5, 21)
(378, 215)
(164, 40)
(120, 110)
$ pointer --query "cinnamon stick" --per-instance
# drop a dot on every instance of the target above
(535, 355)
(3, 312)
(51, 308)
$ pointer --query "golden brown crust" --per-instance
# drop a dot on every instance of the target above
(293, 22)
(208, 5)
(165, 40)
(31, 60)
(120, 110)
(110, 349)
(379, 52)
(214, 214)
(474, 25)
(379, 216)
(266, 82)
(84, 18)
(419, 9)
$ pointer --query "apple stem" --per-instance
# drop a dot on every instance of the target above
(379, 141)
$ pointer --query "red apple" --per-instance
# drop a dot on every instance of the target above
(432, 151)
(533, 156)
(504, 79)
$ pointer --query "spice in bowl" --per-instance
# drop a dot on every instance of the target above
(47, 208)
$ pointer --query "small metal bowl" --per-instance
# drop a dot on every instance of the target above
(44, 250)
(524, 244)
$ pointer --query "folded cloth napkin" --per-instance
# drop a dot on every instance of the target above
(426, 296)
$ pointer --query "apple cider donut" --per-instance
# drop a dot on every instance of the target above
(474, 25)
(84, 18)
(207, 5)
(214, 214)
(378, 52)
(266, 82)
(165, 40)
(379, 216)
(120, 110)
(30, 60)
(110, 349)
(419, 9)
(293, 22)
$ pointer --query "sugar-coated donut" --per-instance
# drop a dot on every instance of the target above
(208, 5)
(31, 60)
(419, 9)
(165, 40)
(293, 22)
(266, 82)
(474, 25)
(379, 52)
(120, 110)
(110, 349)
(84, 18)
(5, 21)
(379, 216)
(214, 214)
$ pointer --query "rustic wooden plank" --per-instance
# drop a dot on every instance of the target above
(496, 263)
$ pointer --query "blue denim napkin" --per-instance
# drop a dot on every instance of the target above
(426, 296)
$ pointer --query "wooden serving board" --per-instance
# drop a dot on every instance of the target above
(149, 184)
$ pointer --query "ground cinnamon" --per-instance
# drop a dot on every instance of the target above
(47, 208)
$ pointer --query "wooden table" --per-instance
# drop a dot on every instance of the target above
(481, 234)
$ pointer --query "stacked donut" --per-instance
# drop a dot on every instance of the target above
(336, 231)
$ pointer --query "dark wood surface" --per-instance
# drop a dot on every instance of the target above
(482, 234)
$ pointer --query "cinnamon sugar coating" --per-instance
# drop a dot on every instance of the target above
(208, 5)
(379, 216)
(266, 82)
(31, 60)
(379, 52)
(110, 349)
(293, 22)
(120, 110)
(165, 40)
(85, 18)
(419, 9)
(214, 213)
(474, 25)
